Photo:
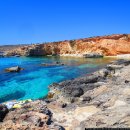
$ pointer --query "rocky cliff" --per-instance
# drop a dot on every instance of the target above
(110, 45)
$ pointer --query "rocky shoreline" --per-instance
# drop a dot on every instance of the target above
(100, 99)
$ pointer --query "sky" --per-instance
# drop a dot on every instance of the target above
(36, 21)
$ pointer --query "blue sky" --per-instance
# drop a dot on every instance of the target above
(33, 21)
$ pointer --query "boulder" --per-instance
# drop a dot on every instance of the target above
(13, 69)
(93, 55)
(3, 111)
(52, 64)
(104, 72)
(93, 78)
(77, 92)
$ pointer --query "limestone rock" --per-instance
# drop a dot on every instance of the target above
(93, 55)
(13, 69)
(93, 47)
(110, 102)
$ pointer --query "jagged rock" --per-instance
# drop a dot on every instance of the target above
(93, 93)
(104, 72)
(95, 101)
(76, 87)
(122, 62)
(77, 92)
(3, 111)
(13, 69)
(73, 91)
(33, 115)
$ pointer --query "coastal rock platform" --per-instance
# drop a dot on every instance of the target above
(100, 99)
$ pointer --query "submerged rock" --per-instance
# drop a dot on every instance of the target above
(13, 69)
(52, 64)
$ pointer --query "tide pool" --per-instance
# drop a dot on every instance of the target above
(33, 81)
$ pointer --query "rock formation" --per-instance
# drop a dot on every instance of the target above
(110, 45)
(13, 69)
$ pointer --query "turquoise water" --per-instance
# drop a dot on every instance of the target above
(33, 81)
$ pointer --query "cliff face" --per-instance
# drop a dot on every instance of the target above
(106, 45)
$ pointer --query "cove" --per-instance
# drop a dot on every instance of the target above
(33, 81)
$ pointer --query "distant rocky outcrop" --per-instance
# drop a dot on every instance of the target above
(110, 45)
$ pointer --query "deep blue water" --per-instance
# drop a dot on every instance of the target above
(33, 81)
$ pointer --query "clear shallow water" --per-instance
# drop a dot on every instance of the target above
(33, 81)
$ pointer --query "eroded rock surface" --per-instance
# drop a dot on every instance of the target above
(106, 92)
(90, 47)
(100, 99)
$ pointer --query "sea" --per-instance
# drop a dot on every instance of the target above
(33, 81)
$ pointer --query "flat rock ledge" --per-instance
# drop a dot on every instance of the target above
(14, 69)
(100, 99)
